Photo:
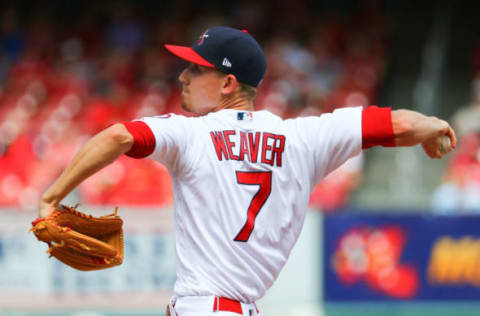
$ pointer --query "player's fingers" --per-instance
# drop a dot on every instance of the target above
(453, 137)
(447, 130)
(437, 152)
(427, 151)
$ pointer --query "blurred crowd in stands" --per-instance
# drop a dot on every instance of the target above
(68, 69)
(459, 192)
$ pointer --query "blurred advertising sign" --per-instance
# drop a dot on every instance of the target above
(401, 257)
(31, 280)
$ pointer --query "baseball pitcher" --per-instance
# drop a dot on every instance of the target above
(241, 178)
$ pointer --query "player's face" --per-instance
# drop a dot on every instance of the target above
(201, 89)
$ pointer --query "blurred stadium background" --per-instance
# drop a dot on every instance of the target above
(388, 233)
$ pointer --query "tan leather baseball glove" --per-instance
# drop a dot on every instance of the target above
(82, 241)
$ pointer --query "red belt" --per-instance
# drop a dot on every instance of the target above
(223, 304)
(228, 305)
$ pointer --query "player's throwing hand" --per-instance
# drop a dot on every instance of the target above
(442, 143)
(435, 135)
(438, 147)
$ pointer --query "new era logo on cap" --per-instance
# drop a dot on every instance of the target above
(226, 63)
(229, 50)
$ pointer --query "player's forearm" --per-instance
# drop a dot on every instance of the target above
(98, 152)
(411, 128)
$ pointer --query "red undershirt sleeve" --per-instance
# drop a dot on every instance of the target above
(377, 128)
(144, 140)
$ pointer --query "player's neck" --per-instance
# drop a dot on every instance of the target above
(241, 104)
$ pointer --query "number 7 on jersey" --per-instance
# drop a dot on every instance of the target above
(264, 180)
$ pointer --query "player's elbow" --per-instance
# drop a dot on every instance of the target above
(119, 134)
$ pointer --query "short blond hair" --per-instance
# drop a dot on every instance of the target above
(246, 90)
(249, 91)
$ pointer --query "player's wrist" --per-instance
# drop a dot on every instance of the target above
(47, 204)
(48, 199)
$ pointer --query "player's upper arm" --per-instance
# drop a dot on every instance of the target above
(142, 138)
(342, 134)
(330, 139)
(163, 138)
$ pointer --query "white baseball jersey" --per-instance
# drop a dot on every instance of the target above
(242, 182)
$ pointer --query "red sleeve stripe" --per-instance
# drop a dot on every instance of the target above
(144, 141)
(377, 128)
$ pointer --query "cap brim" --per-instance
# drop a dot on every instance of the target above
(188, 54)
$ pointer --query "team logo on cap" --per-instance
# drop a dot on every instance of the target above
(202, 37)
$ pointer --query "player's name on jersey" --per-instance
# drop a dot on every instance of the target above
(255, 147)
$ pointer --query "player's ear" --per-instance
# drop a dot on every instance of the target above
(230, 84)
